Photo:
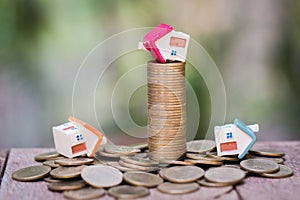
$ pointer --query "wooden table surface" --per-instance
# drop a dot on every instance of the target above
(252, 188)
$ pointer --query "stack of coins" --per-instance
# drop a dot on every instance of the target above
(166, 110)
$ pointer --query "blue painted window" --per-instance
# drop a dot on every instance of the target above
(173, 53)
(229, 135)
(79, 137)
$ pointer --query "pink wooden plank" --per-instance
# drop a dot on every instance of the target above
(266, 188)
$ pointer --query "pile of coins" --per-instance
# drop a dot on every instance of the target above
(129, 171)
(166, 110)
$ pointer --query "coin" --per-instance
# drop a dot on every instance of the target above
(183, 174)
(74, 161)
(145, 179)
(268, 152)
(259, 166)
(284, 171)
(51, 180)
(197, 156)
(178, 162)
(204, 162)
(110, 155)
(137, 167)
(51, 163)
(138, 161)
(274, 159)
(162, 172)
(232, 158)
(67, 172)
(200, 146)
(176, 188)
(123, 150)
(31, 173)
(227, 175)
(119, 167)
(141, 155)
(101, 176)
(84, 193)
(66, 185)
(45, 156)
(128, 192)
(205, 183)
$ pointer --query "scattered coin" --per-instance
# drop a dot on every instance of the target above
(31, 173)
(51, 163)
(139, 161)
(45, 156)
(119, 167)
(205, 183)
(204, 162)
(137, 167)
(259, 166)
(274, 159)
(74, 161)
(284, 171)
(141, 155)
(111, 155)
(176, 188)
(101, 176)
(183, 174)
(145, 179)
(66, 185)
(84, 193)
(67, 172)
(123, 150)
(162, 172)
(128, 192)
(268, 152)
(51, 180)
(226, 175)
(222, 158)
(200, 146)
(179, 162)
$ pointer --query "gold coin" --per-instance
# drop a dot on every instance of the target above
(197, 156)
(200, 146)
(84, 193)
(74, 161)
(268, 152)
(145, 179)
(51, 163)
(128, 192)
(51, 180)
(45, 156)
(31, 173)
(259, 166)
(176, 188)
(205, 183)
(274, 159)
(232, 158)
(204, 162)
(110, 155)
(142, 155)
(101, 176)
(123, 150)
(119, 167)
(284, 171)
(183, 174)
(137, 167)
(67, 172)
(139, 161)
(227, 175)
(66, 185)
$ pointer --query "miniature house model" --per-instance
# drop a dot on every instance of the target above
(236, 138)
(166, 44)
(77, 138)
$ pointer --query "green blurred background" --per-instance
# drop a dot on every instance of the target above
(255, 44)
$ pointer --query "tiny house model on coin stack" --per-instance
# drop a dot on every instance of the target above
(77, 138)
(236, 138)
(166, 44)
